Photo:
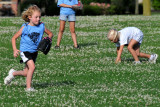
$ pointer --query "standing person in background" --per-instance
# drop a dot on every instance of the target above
(67, 12)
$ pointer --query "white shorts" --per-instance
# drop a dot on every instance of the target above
(138, 37)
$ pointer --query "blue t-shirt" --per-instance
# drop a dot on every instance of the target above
(31, 36)
(65, 10)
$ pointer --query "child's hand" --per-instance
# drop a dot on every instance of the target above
(48, 38)
(75, 7)
(117, 61)
(16, 52)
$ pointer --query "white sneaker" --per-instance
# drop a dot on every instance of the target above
(30, 90)
(136, 62)
(154, 58)
(10, 77)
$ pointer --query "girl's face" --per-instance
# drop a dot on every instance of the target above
(35, 18)
(114, 40)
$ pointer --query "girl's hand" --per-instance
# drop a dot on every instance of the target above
(77, 7)
(48, 38)
(117, 61)
(16, 52)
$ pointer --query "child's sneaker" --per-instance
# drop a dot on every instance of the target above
(30, 90)
(153, 58)
(136, 62)
(10, 77)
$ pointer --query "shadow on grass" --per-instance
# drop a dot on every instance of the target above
(47, 84)
(80, 45)
(87, 44)
(131, 59)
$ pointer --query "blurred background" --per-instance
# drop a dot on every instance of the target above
(91, 7)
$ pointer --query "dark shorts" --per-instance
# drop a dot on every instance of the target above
(26, 56)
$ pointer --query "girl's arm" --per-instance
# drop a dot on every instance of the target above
(48, 32)
(65, 5)
(15, 50)
(119, 52)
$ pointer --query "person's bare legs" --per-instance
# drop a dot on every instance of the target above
(61, 30)
(21, 73)
(131, 50)
(27, 72)
(73, 34)
(140, 54)
(31, 69)
(134, 49)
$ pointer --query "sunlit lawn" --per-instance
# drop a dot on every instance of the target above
(86, 77)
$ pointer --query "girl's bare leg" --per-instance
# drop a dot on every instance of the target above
(61, 30)
(21, 73)
(31, 69)
(140, 54)
(131, 49)
(73, 34)
(134, 49)
(27, 72)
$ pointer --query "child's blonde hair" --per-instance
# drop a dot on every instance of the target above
(29, 12)
(112, 34)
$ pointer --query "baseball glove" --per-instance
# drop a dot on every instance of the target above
(78, 7)
(45, 45)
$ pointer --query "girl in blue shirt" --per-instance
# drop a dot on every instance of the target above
(67, 13)
(31, 34)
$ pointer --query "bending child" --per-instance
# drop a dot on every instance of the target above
(67, 12)
(132, 38)
(31, 34)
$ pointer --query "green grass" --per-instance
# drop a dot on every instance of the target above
(86, 77)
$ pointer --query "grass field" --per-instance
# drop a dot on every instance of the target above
(86, 77)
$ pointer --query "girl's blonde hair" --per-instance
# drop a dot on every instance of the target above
(29, 12)
(112, 34)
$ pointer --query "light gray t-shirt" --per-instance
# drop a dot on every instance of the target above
(129, 33)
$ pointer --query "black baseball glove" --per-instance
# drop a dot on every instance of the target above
(45, 45)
